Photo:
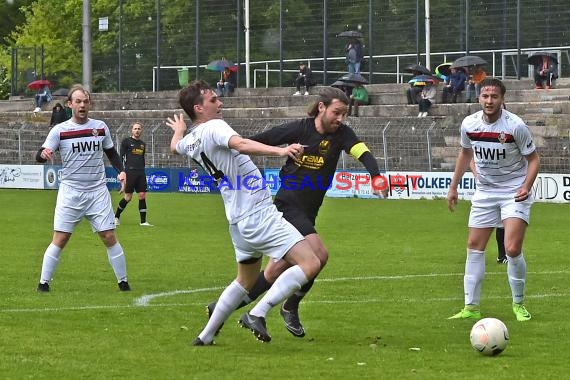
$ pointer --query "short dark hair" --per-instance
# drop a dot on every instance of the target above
(493, 82)
(326, 96)
(191, 95)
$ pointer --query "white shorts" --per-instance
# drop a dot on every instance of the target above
(73, 205)
(265, 232)
(489, 210)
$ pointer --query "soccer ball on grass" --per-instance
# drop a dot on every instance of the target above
(489, 336)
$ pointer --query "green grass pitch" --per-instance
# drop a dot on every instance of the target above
(377, 311)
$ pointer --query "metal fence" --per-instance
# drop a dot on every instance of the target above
(399, 144)
(149, 36)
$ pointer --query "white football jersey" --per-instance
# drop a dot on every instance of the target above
(81, 149)
(242, 188)
(499, 150)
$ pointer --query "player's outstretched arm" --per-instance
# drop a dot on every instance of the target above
(247, 146)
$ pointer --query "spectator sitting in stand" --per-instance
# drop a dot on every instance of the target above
(456, 84)
(358, 97)
(473, 85)
(427, 98)
(42, 96)
(227, 83)
(545, 73)
(58, 115)
(305, 78)
(413, 93)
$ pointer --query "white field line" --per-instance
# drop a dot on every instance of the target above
(145, 300)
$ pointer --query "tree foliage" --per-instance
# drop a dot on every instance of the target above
(395, 29)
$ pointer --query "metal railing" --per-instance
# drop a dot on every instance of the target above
(502, 64)
(399, 144)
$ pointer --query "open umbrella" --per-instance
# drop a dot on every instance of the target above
(354, 78)
(536, 57)
(221, 65)
(443, 69)
(468, 60)
(37, 84)
(417, 68)
(422, 80)
(60, 92)
(340, 83)
(350, 33)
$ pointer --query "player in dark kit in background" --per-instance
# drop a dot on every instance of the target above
(305, 181)
(132, 152)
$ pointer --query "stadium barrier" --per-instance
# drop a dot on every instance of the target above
(548, 187)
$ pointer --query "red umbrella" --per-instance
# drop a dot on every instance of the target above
(37, 84)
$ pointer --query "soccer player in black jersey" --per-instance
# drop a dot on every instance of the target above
(304, 182)
(132, 151)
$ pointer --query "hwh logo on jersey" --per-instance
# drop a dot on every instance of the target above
(85, 146)
(490, 154)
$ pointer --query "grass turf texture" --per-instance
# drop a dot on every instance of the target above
(394, 275)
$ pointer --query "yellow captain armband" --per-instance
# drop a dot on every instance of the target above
(358, 150)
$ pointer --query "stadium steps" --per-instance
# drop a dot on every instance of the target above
(250, 111)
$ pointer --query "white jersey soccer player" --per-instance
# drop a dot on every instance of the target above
(83, 190)
(499, 151)
(81, 149)
(256, 227)
(242, 188)
(506, 161)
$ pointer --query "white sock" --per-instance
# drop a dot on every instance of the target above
(51, 259)
(229, 300)
(118, 262)
(286, 284)
(474, 275)
(516, 270)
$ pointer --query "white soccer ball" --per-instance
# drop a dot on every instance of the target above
(489, 336)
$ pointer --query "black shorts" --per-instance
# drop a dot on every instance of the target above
(303, 222)
(136, 182)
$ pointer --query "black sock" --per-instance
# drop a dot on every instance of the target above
(122, 204)
(500, 236)
(142, 209)
(260, 287)
(292, 303)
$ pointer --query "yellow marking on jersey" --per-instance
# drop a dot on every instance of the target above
(358, 150)
(310, 162)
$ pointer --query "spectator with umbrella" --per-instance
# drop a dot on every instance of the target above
(358, 97)
(545, 69)
(413, 93)
(353, 50)
(428, 93)
(427, 98)
(474, 84)
(346, 87)
(228, 77)
(43, 94)
(227, 83)
(456, 84)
